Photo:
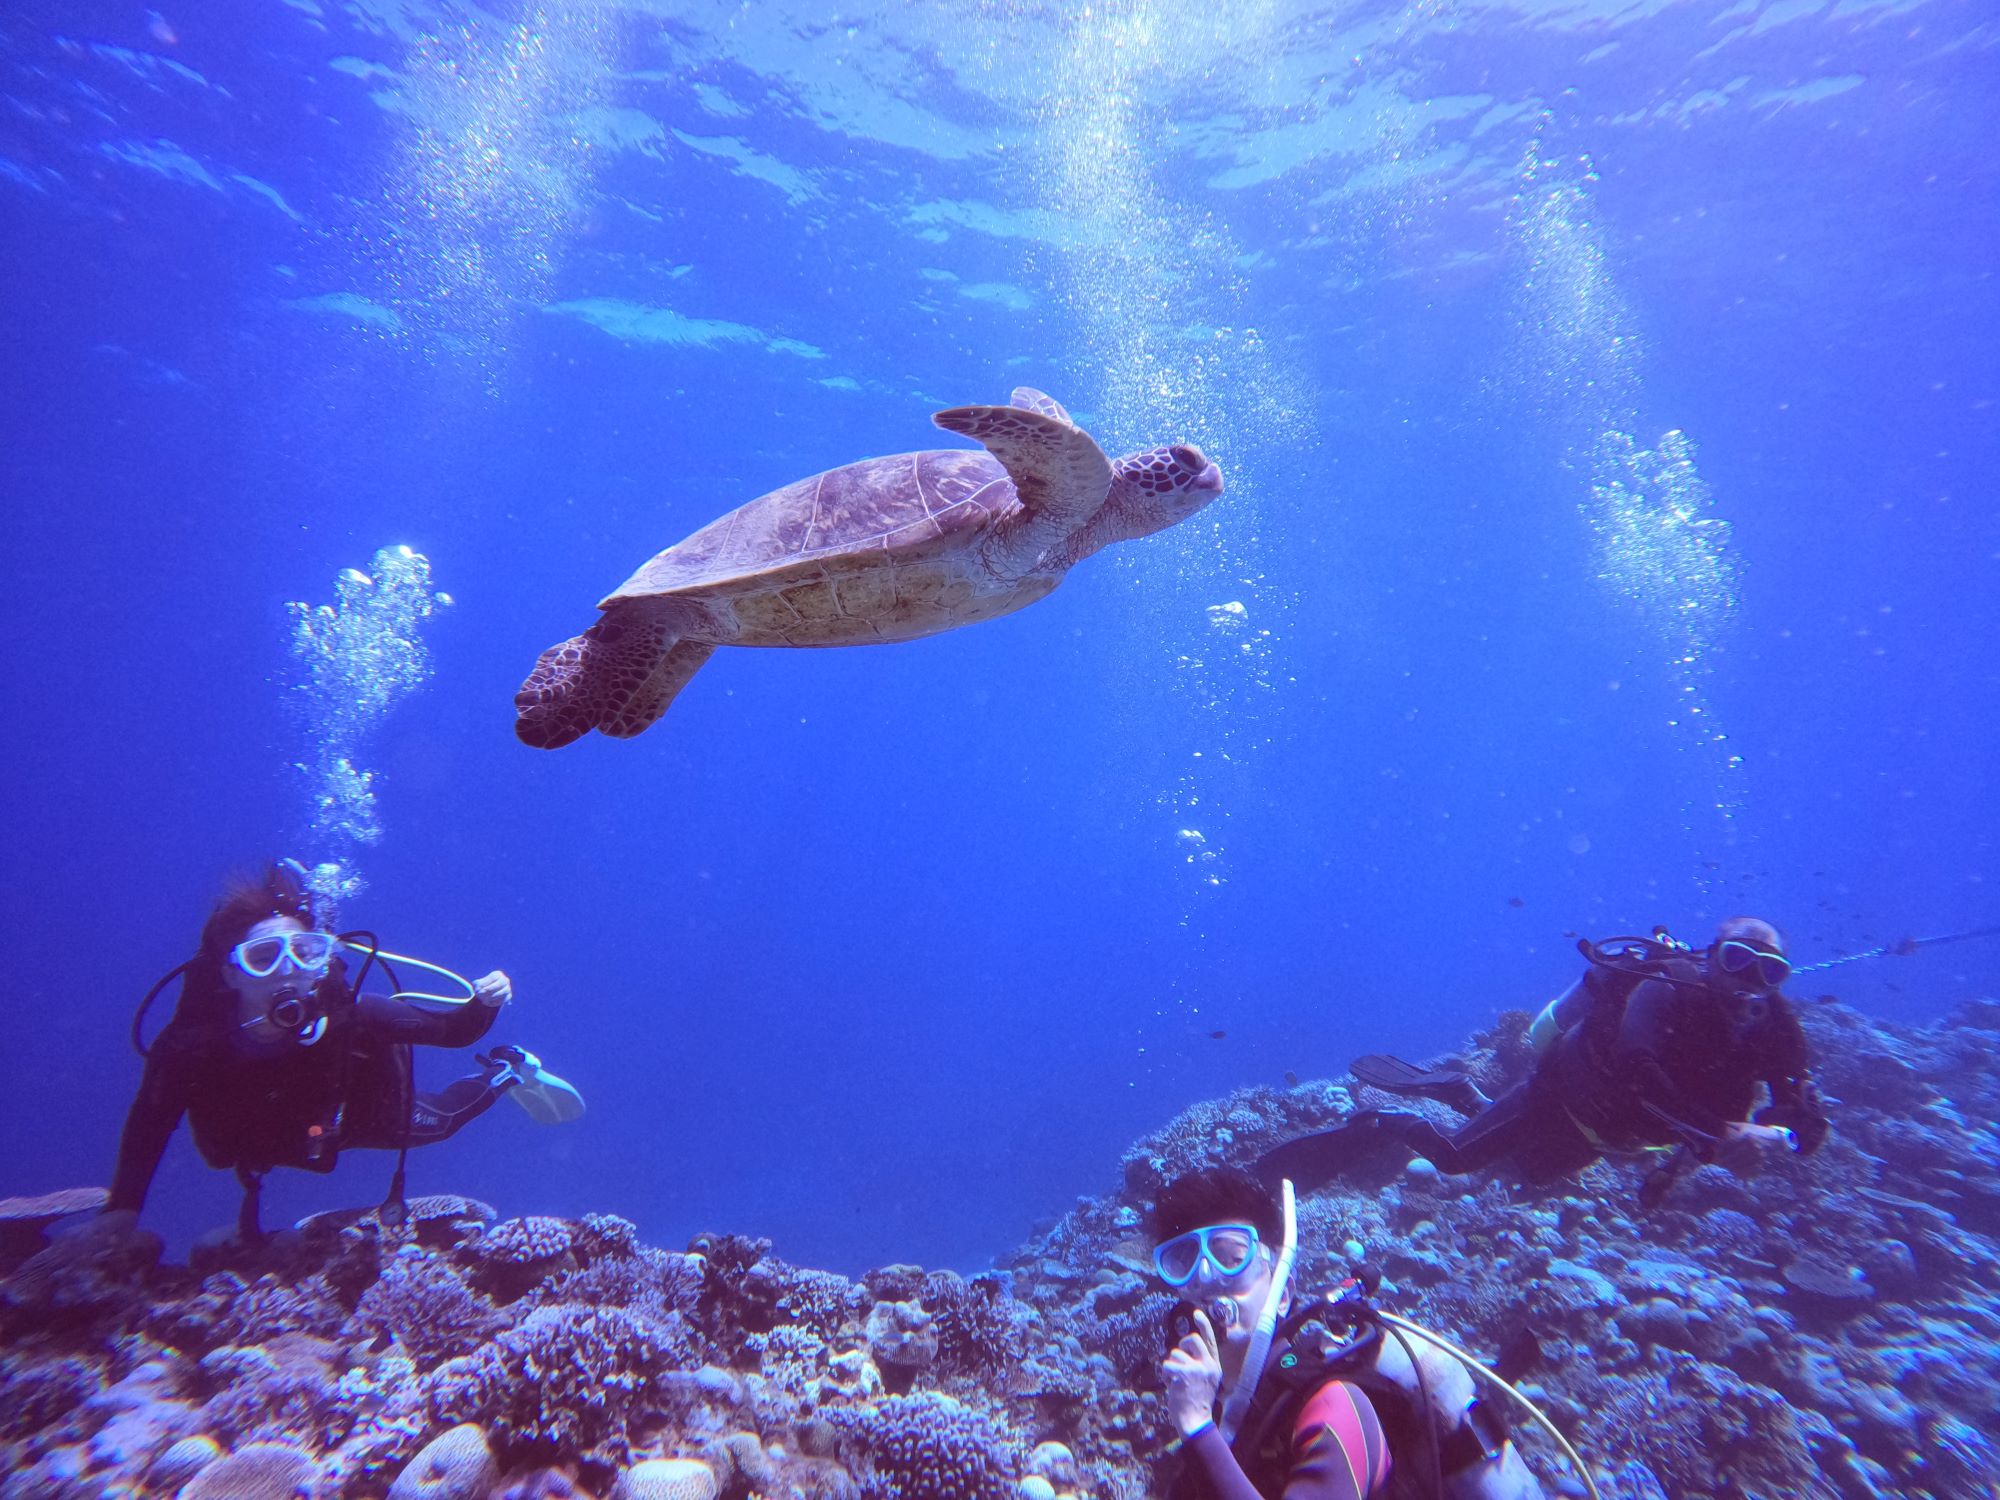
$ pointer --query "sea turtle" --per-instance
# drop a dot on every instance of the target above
(888, 549)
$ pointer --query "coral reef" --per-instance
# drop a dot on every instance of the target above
(1826, 1327)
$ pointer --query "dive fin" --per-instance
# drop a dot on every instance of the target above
(1312, 1161)
(543, 1097)
(1392, 1075)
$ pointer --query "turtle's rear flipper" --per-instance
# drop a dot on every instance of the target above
(618, 677)
(1392, 1075)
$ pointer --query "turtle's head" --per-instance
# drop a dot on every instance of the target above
(1153, 490)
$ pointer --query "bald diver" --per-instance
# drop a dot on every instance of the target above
(1657, 1048)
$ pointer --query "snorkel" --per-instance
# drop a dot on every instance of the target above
(1237, 1405)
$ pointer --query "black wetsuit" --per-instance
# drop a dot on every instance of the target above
(1663, 1061)
(295, 1106)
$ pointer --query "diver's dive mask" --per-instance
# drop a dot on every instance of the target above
(1228, 1250)
(1739, 958)
(276, 976)
(261, 957)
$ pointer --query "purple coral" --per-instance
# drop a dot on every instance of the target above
(35, 1392)
(571, 1379)
(517, 1255)
(262, 1471)
(524, 1242)
(979, 1324)
(422, 1302)
(655, 1283)
(929, 1447)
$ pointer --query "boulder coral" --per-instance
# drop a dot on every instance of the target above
(667, 1479)
(455, 1465)
(262, 1471)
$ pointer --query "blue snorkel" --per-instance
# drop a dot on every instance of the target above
(1237, 1405)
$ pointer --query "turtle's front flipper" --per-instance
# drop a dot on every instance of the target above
(653, 696)
(1059, 472)
(618, 677)
(1027, 398)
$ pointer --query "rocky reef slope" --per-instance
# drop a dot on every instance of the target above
(1828, 1327)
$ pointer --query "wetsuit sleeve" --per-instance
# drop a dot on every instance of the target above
(1795, 1103)
(1561, 1013)
(1641, 1035)
(400, 1021)
(165, 1089)
(1338, 1452)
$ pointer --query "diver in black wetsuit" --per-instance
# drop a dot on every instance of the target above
(277, 1059)
(1657, 1048)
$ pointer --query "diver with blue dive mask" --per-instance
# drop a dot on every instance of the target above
(276, 1057)
(1279, 1394)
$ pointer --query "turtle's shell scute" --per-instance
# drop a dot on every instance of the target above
(909, 504)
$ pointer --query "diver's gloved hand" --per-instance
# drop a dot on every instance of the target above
(1807, 1127)
(493, 990)
(1761, 1134)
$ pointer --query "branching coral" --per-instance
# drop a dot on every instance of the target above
(34, 1392)
(929, 1447)
(979, 1324)
(421, 1301)
(572, 1379)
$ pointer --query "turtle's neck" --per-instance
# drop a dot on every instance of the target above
(1112, 523)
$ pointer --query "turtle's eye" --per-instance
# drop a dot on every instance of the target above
(1188, 458)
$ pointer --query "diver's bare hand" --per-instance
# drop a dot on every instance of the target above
(1192, 1374)
(493, 990)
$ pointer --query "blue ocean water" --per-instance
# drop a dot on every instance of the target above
(1606, 399)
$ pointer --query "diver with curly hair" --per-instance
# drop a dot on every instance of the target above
(277, 1058)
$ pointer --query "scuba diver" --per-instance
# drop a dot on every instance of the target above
(278, 1059)
(1656, 1049)
(1315, 1397)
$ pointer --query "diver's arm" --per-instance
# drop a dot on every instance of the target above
(1223, 1476)
(164, 1091)
(1329, 1461)
(1635, 1058)
(1795, 1102)
(400, 1021)
(1559, 1015)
